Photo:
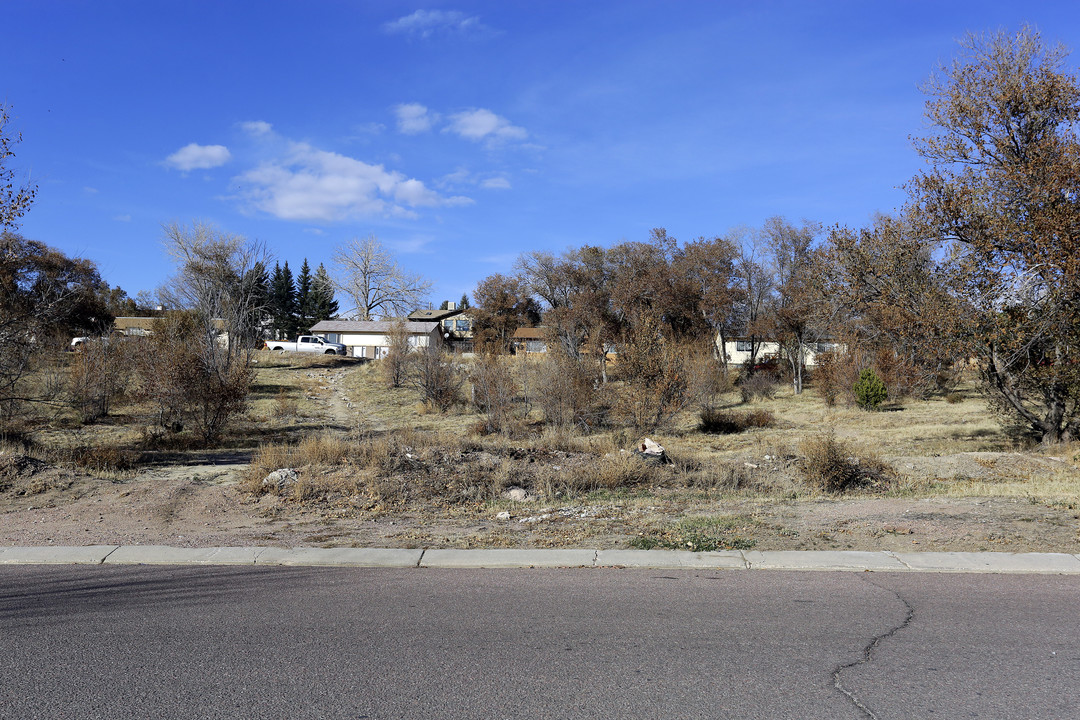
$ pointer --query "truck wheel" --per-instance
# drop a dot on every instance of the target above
(330, 352)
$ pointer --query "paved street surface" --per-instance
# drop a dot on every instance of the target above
(248, 642)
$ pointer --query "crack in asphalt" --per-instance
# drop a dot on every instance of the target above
(868, 652)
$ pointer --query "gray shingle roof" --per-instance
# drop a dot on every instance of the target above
(380, 327)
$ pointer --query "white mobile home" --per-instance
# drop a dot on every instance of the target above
(738, 351)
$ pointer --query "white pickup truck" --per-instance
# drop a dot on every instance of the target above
(307, 343)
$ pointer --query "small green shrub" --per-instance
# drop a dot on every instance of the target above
(869, 390)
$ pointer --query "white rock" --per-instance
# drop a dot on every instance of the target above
(649, 447)
(517, 494)
(281, 479)
(503, 516)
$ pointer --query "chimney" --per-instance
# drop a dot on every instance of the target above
(451, 305)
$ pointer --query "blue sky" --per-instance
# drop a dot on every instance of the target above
(462, 134)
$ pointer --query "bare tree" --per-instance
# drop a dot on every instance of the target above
(756, 287)
(395, 363)
(709, 265)
(375, 281)
(208, 351)
(797, 301)
(218, 277)
(15, 199)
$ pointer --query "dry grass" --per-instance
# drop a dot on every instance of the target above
(834, 466)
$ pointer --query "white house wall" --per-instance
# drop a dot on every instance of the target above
(355, 341)
(766, 349)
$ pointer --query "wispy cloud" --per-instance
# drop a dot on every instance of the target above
(495, 183)
(414, 118)
(313, 184)
(425, 24)
(482, 124)
(257, 128)
(199, 157)
(462, 177)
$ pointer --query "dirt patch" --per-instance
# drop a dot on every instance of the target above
(201, 505)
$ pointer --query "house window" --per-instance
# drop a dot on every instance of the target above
(743, 346)
(823, 347)
(462, 325)
(448, 324)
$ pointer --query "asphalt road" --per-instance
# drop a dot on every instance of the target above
(184, 642)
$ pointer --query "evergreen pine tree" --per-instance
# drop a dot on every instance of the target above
(324, 306)
(283, 301)
(305, 299)
(464, 304)
(259, 281)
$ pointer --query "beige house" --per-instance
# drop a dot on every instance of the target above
(133, 325)
(371, 339)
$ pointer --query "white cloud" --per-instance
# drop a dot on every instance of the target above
(481, 124)
(496, 183)
(199, 157)
(257, 128)
(427, 23)
(461, 176)
(313, 184)
(414, 118)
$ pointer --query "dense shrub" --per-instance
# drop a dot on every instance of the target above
(100, 372)
(437, 378)
(726, 422)
(568, 392)
(661, 376)
(761, 386)
(493, 391)
(191, 377)
(833, 466)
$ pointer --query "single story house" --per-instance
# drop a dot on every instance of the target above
(528, 340)
(738, 350)
(142, 326)
(133, 325)
(371, 338)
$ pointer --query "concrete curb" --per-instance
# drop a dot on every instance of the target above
(850, 560)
